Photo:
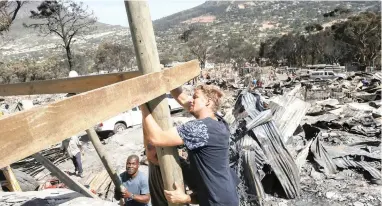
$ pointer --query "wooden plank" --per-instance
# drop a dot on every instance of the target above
(142, 33)
(13, 184)
(68, 85)
(110, 193)
(89, 179)
(27, 132)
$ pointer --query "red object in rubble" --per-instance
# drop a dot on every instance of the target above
(52, 184)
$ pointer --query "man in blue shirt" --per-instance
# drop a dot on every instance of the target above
(207, 142)
(136, 183)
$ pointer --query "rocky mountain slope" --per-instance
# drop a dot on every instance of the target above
(254, 20)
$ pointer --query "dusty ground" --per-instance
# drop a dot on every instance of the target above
(118, 147)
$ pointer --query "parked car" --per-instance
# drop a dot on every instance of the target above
(173, 104)
(324, 75)
(131, 118)
(121, 122)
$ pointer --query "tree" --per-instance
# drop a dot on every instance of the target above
(165, 61)
(113, 56)
(335, 51)
(240, 51)
(66, 19)
(313, 27)
(199, 44)
(8, 13)
(84, 60)
(6, 73)
(356, 40)
(337, 11)
(21, 70)
(249, 52)
(52, 67)
(362, 33)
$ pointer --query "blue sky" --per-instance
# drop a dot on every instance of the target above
(113, 11)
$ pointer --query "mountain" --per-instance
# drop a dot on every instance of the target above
(29, 43)
(254, 20)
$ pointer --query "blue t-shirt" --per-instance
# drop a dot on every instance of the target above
(207, 142)
(138, 185)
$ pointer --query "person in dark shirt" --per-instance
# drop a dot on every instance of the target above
(207, 142)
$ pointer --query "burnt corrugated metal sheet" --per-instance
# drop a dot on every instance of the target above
(258, 125)
(349, 162)
(322, 157)
(378, 76)
(288, 112)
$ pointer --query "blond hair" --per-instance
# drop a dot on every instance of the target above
(212, 93)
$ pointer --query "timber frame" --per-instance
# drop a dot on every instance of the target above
(24, 133)
(27, 132)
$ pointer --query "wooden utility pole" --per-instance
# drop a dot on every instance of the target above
(142, 33)
(104, 158)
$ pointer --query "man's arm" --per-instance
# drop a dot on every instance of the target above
(181, 97)
(151, 153)
(155, 135)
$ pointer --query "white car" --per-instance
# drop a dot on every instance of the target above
(173, 104)
(324, 75)
(131, 118)
(121, 122)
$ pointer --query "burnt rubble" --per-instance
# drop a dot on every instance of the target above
(316, 142)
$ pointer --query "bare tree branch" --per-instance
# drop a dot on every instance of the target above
(64, 18)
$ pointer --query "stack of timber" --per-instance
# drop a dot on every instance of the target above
(101, 184)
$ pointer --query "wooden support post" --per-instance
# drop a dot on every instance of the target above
(71, 183)
(142, 33)
(104, 158)
(13, 185)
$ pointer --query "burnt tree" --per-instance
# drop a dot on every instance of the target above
(66, 19)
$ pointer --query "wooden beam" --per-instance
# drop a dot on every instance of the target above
(105, 159)
(27, 132)
(13, 184)
(142, 32)
(71, 183)
(68, 85)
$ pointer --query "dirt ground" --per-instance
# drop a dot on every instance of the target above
(118, 147)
